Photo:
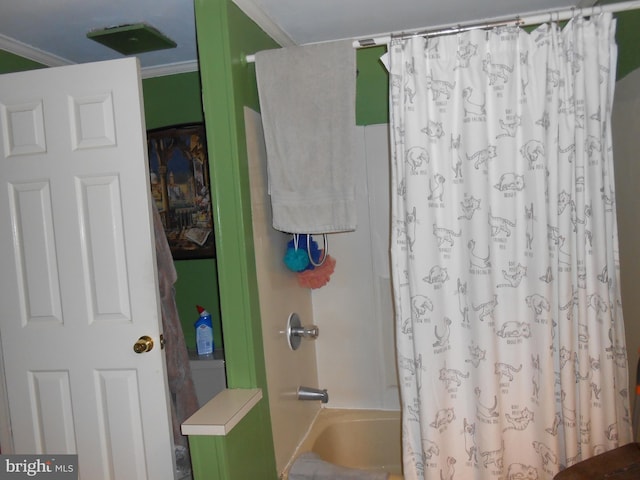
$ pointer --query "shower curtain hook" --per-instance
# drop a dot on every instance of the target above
(325, 251)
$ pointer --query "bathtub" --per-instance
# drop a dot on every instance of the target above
(364, 439)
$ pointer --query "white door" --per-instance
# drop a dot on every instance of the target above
(78, 273)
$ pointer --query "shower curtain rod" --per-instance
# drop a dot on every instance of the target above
(533, 18)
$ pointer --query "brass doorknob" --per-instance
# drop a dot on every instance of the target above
(144, 344)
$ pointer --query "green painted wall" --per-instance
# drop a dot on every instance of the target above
(172, 100)
(372, 98)
(232, 457)
(628, 39)
(13, 63)
(225, 36)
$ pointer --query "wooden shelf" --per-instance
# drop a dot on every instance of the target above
(223, 412)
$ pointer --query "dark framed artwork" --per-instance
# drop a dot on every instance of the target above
(180, 187)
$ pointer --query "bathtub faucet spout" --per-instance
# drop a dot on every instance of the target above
(308, 393)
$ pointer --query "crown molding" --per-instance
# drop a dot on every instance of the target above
(169, 69)
(27, 51)
(255, 13)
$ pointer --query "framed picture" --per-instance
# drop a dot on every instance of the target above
(180, 187)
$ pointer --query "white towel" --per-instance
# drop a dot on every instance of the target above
(307, 100)
(309, 466)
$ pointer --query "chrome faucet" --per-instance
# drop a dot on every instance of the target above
(308, 393)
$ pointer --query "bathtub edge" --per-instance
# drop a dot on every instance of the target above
(325, 417)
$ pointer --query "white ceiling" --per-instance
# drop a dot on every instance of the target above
(53, 32)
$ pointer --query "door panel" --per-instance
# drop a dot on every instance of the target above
(78, 272)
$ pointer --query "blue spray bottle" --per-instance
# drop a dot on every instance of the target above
(204, 332)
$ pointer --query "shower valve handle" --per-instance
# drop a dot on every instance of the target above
(306, 332)
(295, 331)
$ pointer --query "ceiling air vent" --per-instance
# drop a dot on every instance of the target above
(132, 39)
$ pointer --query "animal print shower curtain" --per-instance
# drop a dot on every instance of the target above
(510, 336)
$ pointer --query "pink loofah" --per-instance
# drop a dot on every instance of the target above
(319, 276)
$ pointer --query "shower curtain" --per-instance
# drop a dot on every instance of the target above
(510, 337)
